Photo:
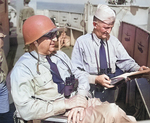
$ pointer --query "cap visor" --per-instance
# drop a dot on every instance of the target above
(58, 29)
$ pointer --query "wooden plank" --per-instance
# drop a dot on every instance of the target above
(2, 6)
(128, 37)
(141, 47)
(144, 88)
(148, 62)
(144, 121)
(58, 119)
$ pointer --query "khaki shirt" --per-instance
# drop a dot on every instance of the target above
(25, 13)
(35, 94)
(3, 66)
(30, 78)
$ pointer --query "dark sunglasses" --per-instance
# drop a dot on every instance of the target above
(50, 35)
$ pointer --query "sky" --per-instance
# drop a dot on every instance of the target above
(74, 1)
(138, 2)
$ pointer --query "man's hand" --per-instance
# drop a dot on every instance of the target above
(143, 68)
(76, 101)
(104, 81)
(76, 115)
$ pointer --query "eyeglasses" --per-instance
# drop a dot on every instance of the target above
(50, 35)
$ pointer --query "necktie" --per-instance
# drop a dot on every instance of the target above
(103, 61)
(56, 76)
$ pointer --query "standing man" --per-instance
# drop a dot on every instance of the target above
(25, 13)
(102, 55)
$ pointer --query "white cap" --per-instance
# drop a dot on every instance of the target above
(105, 14)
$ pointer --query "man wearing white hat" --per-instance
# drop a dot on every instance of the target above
(102, 55)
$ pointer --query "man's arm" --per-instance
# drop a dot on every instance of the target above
(77, 61)
(20, 20)
(124, 61)
(77, 56)
(127, 63)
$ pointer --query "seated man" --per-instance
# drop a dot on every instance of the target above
(102, 55)
(38, 81)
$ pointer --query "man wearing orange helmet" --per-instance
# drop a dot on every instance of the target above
(38, 86)
(35, 93)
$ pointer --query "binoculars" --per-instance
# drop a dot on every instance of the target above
(71, 85)
(105, 71)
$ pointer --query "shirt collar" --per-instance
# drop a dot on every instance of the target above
(97, 40)
(42, 58)
(26, 5)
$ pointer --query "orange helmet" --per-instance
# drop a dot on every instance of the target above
(36, 26)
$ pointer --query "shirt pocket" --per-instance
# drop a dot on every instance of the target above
(90, 63)
(42, 79)
(87, 59)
